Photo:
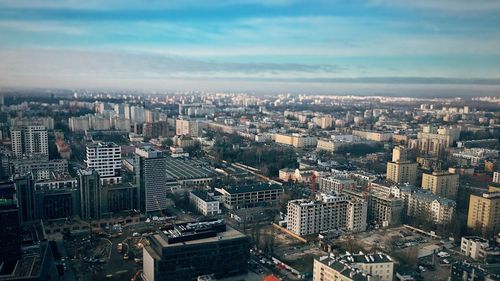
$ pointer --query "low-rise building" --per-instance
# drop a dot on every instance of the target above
(335, 184)
(248, 196)
(205, 203)
(296, 140)
(474, 247)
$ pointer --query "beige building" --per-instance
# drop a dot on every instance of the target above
(443, 184)
(439, 209)
(186, 127)
(402, 172)
(372, 135)
(296, 140)
(484, 213)
(399, 153)
(434, 141)
(474, 247)
(324, 122)
(326, 212)
(354, 267)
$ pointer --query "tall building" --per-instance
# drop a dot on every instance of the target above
(150, 168)
(25, 196)
(441, 183)
(402, 172)
(188, 127)
(29, 141)
(57, 197)
(90, 194)
(496, 177)
(354, 267)
(185, 251)
(399, 153)
(9, 220)
(438, 209)
(326, 212)
(484, 215)
(105, 158)
(433, 141)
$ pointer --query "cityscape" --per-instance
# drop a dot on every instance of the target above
(249, 140)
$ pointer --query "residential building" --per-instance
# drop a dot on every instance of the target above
(484, 213)
(29, 141)
(151, 179)
(249, 196)
(438, 209)
(39, 168)
(189, 127)
(496, 177)
(372, 135)
(384, 209)
(376, 266)
(204, 203)
(335, 184)
(402, 172)
(182, 252)
(399, 154)
(296, 140)
(443, 184)
(474, 247)
(326, 212)
(105, 159)
(464, 270)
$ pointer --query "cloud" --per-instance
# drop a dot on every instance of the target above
(42, 26)
(447, 6)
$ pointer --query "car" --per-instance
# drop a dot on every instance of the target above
(136, 234)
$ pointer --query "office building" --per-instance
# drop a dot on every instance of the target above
(377, 266)
(443, 184)
(57, 197)
(105, 159)
(402, 172)
(9, 220)
(90, 194)
(484, 215)
(185, 251)
(249, 196)
(204, 203)
(29, 141)
(326, 212)
(151, 179)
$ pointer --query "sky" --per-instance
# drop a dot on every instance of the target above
(407, 47)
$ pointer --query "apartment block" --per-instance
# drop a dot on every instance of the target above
(29, 141)
(249, 196)
(105, 158)
(402, 172)
(355, 267)
(440, 209)
(484, 213)
(442, 184)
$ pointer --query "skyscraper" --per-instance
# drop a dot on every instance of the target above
(29, 141)
(150, 177)
(90, 194)
(25, 194)
(9, 221)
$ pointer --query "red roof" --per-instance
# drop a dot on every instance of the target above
(271, 278)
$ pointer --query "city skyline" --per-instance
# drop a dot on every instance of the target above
(419, 48)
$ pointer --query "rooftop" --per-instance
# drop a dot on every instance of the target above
(252, 188)
(203, 195)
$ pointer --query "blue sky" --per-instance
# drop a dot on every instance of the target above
(325, 46)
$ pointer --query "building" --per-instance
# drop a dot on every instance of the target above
(399, 154)
(474, 247)
(296, 140)
(151, 179)
(478, 272)
(189, 172)
(335, 184)
(29, 141)
(372, 135)
(384, 209)
(438, 209)
(249, 196)
(443, 184)
(39, 168)
(90, 194)
(204, 203)
(326, 212)
(10, 222)
(185, 251)
(496, 177)
(402, 172)
(433, 141)
(57, 197)
(484, 215)
(377, 266)
(79, 124)
(188, 127)
(105, 159)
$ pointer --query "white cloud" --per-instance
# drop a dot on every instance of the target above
(42, 26)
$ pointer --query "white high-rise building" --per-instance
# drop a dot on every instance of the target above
(29, 141)
(105, 158)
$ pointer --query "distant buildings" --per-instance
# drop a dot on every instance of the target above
(326, 212)
(372, 135)
(105, 158)
(188, 127)
(296, 140)
(433, 141)
(29, 141)
(248, 196)
(185, 251)
(354, 267)
(441, 183)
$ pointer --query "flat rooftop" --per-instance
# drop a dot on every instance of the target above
(182, 169)
(251, 188)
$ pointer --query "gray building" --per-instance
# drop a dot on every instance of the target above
(90, 194)
(151, 179)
